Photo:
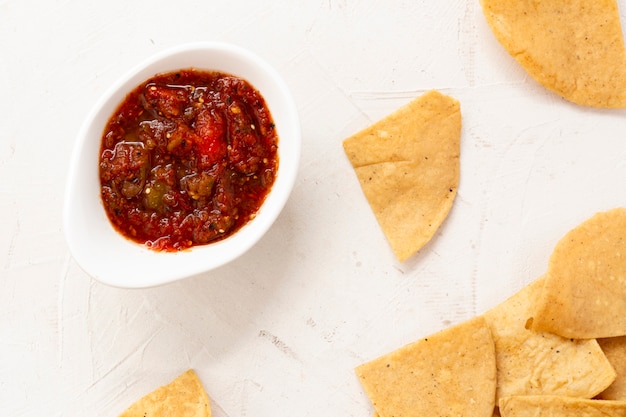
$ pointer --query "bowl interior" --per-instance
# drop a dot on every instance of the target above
(110, 258)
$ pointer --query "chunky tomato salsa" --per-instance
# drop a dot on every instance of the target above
(187, 159)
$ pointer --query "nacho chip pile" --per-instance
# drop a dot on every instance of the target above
(532, 363)
(408, 167)
(509, 360)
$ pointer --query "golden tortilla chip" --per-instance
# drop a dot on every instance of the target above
(557, 406)
(584, 294)
(572, 47)
(450, 373)
(408, 167)
(615, 350)
(531, 363)
(183, 397)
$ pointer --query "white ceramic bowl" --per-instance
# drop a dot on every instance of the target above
(112, 259)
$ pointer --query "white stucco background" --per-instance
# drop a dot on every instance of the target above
(279, 331)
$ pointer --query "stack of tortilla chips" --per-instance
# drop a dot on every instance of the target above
(556, 348)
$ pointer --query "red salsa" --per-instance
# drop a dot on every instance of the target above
(187, 159)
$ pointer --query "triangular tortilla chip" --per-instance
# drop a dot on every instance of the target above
(556, 406)
(572, 47)
(584, 294)
(183, 397)
(531, 363)
(451, 373)
(615, 350)
(408, 167)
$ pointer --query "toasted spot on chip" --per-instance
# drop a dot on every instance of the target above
(532, 363)
(572, 47)
(408, 167)
(183, 397)
(559, 406)
(615, 350)
(450, 373)
(584, 294)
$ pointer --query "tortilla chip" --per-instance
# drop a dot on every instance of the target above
(531, 363)
(572, 47)
(450, 373)
(408, 167)
(615, 350)
(556, 406)
(183, 397)
(584, 295)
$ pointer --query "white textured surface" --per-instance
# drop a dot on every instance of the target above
(278, 332)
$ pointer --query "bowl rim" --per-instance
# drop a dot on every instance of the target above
(106, 255)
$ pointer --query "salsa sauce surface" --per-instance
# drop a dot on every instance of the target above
(187, 159)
